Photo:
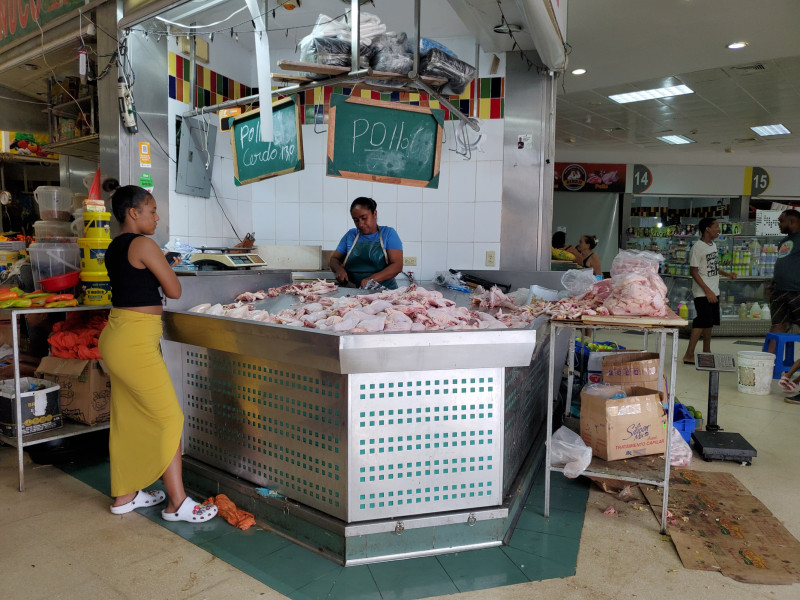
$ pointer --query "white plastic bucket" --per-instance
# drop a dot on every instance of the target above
(755, 372)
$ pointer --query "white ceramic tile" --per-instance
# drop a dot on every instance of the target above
(198, 240)
(487, 221)
(479, 259)
(461, 222)
(462, 182)
(489, 181)
(245, 192)
(387, 214)
(357, 188)
(196, 208)
(244, 218)
(409, 222)
(223, 147)
(409, 194)
(178, 215)
(173, 173)
(315, 146)
(213, 219)
(262, 191)
(433, 258)
(334, 189)
(264, 222)
(287, 188)
(311, 222)
(310, 188)
(335, 221)
(412, 249)
(440, 194)
(287, 220)
(434, 222)
(384, 192)
(225, 167)
(460, 255)
(491, 144)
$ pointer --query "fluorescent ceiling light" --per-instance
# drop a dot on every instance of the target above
(676, 139)
(776, 129)
(737, 45)
(666, 92)
(579, 71)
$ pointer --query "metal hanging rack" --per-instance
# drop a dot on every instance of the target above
(354, 75)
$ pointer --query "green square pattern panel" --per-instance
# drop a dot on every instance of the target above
(424, 442)
(275, 425)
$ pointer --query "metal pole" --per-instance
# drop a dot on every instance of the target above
(549, 423)
(17, 401)
(446, 103)
(355, 34)
(193, 74)
(415, 69)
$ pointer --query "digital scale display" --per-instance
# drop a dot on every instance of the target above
(229, 261)
(715, 362)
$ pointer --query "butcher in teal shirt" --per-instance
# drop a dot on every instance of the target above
(369, 252)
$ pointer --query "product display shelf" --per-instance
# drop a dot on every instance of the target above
(66, 430)
(639, 469)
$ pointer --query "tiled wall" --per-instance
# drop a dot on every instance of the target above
(449, 227)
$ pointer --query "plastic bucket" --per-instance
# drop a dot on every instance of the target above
(50, 259)
(93, 255)
(755, 372)
(95, 289)
(96, 225)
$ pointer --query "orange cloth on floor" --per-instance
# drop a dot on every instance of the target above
(228, 511)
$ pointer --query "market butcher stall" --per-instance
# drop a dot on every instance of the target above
(357, 438)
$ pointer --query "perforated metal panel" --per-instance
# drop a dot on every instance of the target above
(276, 426)
(425, 442)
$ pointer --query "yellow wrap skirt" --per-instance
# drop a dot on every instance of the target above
(146, 418)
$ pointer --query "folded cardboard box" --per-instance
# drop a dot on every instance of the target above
(633, 368)
(594, 363)
(625, 427)
(39, 405)
(85, 387)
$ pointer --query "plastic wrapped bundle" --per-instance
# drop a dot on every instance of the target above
(426, 45)
(458, 73)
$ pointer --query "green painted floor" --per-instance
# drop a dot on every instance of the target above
(540, 549)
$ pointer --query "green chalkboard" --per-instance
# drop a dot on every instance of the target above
(384, 141)
(253, 159)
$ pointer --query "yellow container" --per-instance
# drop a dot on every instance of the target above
(97, 225)
(95, 289)
(93, 255)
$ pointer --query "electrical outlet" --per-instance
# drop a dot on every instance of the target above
(410, 261)
(490, 258)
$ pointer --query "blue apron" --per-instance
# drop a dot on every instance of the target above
(365, 259)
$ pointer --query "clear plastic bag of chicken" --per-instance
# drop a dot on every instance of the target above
(636, 261)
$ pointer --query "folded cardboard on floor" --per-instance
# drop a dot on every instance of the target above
(85, 387)
(39, 406)
(625, 427)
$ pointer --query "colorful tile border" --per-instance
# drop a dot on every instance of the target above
(212, 88)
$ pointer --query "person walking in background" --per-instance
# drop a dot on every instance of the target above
(705, 272)
(784, 289)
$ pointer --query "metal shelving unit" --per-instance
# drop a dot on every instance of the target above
(67, 430)
(639, 469)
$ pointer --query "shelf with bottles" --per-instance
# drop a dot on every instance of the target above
(748, 256)
(733, 293)
(72, 112)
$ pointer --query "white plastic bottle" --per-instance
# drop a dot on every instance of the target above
(766, 315)
(755, 311)
(742, 311)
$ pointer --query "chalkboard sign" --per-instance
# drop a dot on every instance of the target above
(253, 159)
(384, 141)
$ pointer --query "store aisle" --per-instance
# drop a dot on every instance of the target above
(59, 541)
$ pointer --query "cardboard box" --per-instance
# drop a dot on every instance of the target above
(594, 364)
(633, 368)
(624, 428)
(40, 408)
(85, 387)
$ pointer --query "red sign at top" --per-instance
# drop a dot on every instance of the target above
(20, 17)
(589, 177)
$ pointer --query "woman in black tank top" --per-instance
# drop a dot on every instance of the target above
(146, 416)
(585, 255)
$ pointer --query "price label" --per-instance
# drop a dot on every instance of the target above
(642, 179)
(756, 181)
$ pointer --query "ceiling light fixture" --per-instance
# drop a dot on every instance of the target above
(579, 71)
(665, 92)
(676, 139)
(737, 45)
(776, 129)
(507, 28)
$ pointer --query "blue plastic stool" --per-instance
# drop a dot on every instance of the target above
(784, 351)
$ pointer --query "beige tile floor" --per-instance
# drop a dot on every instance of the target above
(57, 539)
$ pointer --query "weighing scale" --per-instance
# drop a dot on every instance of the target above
(713, 443)
(226, 258)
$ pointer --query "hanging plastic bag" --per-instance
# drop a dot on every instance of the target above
(578, 281)
(568, 450)
(680, 453)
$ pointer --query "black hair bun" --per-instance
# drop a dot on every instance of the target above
(111, 185)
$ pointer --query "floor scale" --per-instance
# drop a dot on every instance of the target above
(714, 443)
